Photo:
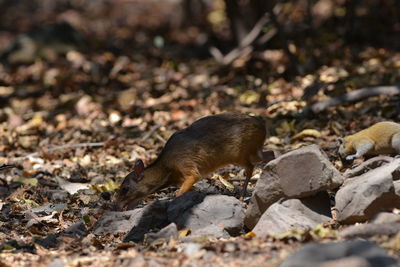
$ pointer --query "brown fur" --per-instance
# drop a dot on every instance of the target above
(380, 138)
(206, 145)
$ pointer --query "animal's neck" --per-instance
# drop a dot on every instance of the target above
(155, 176)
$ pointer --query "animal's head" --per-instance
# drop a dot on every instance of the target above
(131, 190)
(346, 146)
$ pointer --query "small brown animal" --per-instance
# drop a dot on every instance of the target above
(380, 138)
(206, 145)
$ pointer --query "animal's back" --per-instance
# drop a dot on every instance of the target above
(381, 133)
(214, 141)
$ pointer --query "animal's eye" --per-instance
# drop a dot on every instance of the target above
(124, 190)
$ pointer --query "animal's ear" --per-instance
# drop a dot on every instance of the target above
(341, 141)
(138, 169)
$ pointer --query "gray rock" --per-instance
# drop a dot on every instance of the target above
(58, 195)
(137, 221)
(294, 214)
(211, 230)
(299, 173)
(191, 248)
(206, 187)
(50, 241)
(213, 215)
(49, 208)
(114, 222)
(325, 254)
(168, 232)
(364, 196)
(370, 229)
(347, 261)
(396, 185)
(153, 217)
(78, 230)
(267, 191)
(386, 217)
(306, 171)
(367, 165)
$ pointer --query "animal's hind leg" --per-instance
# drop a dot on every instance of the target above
(396, 143)
(249, 172)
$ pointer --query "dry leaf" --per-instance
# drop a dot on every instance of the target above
(306, 133)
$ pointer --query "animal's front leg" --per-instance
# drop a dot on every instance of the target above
(189, 179)
(361, 147)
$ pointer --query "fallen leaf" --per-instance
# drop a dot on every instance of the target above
(27, 181)
(223, 181)
(250, 234)
(71, 188)
(306, 133)
(183, 233)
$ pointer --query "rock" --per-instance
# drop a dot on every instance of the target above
(396, 185)
(386, 217)
(211, 231)
(165, 234)
(347, 261)
(152, 217)
(299, 173)
(49, 208)
(367, 165)
(214, 215)
(363, 196)
(57, 195)
(138, 221)
(211, 215)
(206, 187)
(191, 248)
(184, 202)
(114, 222)
(267, 192)
(371, 229)
(294, 214)
(77, 230)
(331, 254)
(50, 241)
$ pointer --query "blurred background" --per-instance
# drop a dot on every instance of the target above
(81, 65)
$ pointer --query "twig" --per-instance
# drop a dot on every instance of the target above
(3, 167)
(98, 144)
(151, 132)
(355, 96)
(245, 47)
(159, 137)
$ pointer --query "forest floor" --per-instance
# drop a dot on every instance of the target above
(87, 116)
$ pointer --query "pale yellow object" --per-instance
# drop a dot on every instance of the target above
(380, 138)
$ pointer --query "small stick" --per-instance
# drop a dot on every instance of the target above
(160, 138)
(3, 167)
(151, 132)
(355, 96)
(245, 47)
